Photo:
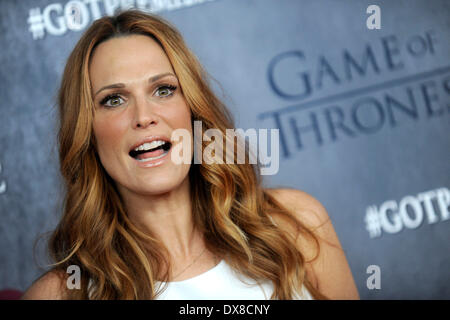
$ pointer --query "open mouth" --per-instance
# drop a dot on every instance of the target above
(151, 150)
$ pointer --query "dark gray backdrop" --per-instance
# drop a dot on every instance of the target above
(363, 117)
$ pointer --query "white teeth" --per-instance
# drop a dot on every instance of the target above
(150, 145)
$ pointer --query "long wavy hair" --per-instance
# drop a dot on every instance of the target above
(118, 259)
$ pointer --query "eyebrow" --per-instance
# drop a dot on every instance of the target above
(121, 85)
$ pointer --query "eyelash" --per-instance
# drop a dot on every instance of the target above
(117, 95)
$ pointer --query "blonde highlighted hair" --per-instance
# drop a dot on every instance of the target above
(229, 205)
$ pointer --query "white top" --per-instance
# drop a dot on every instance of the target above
(221, 283)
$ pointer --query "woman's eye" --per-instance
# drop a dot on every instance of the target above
(112, 101)
(165, 91)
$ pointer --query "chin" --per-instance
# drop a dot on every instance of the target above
(158, 184)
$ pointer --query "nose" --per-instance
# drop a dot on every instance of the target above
(144, 115)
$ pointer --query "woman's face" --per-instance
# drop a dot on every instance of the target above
(137, 100)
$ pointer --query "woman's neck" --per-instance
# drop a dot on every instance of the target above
(168, 217)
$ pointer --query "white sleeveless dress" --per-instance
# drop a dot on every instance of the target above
(221, 283)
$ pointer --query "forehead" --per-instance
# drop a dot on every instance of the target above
(126, 59)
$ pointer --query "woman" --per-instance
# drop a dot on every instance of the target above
(140, 226)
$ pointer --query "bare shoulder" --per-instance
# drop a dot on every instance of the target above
(311, 214)
(328, 265)
(49, 286)
(304, 207)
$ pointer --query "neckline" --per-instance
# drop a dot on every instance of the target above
(195, 277)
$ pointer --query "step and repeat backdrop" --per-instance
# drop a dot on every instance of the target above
(359, 90)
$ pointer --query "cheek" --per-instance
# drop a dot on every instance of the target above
(108, 133)
(181, 117)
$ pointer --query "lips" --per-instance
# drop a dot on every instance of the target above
(151, 145)
(151, 154)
